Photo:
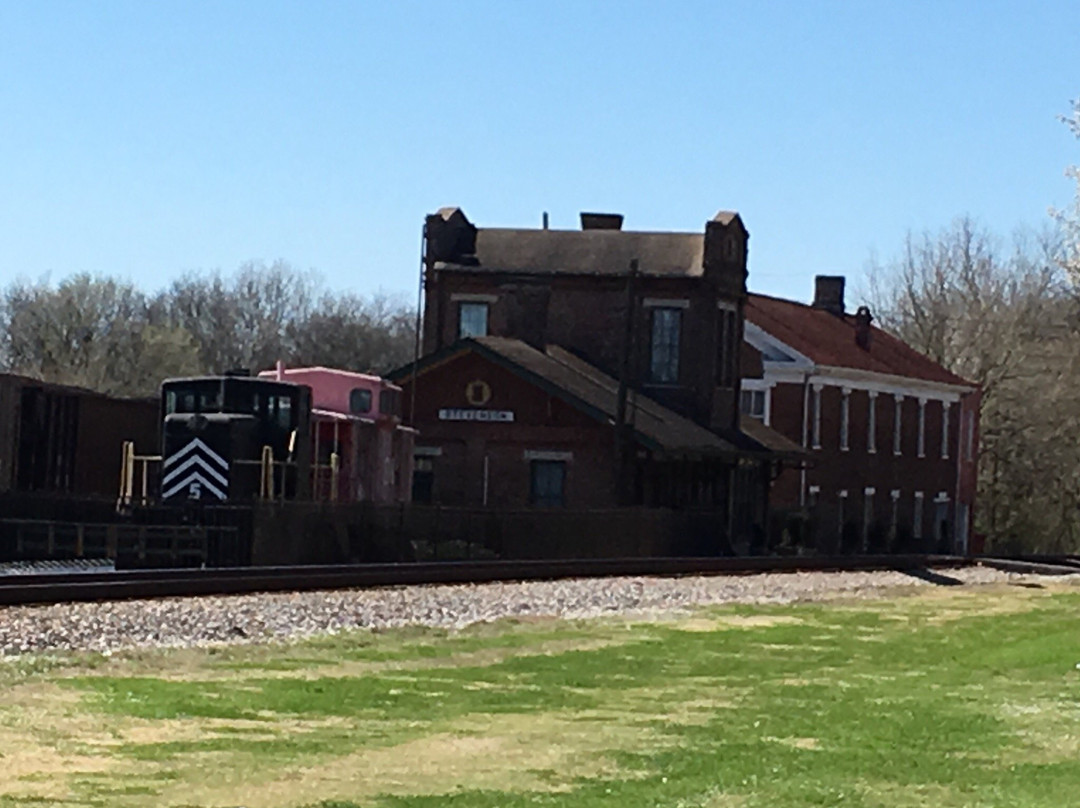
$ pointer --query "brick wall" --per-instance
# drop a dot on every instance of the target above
(834, 470)
(542, 422)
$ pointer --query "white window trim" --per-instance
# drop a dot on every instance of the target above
(765, 387)
(726, 305)
(943, 496)
(871, 423)
(548, 454)
(944, 430)
(666, 303)
(467, 297)
(917, 516)
(867, 514)
(898, 426)
(816, 433)
(921, 442)
(427, 451)
(845, 419)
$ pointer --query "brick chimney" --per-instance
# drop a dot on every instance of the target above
(863, 318)
(601, 221)
(829, 294)
(451, 237)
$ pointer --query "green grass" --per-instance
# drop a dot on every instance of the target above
(950, 697)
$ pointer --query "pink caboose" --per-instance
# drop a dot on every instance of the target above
(358, 417)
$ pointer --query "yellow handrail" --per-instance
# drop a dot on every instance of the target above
(266, 489)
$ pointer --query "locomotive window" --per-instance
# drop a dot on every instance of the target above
(360, 400)
(201, 398)
(284, 412)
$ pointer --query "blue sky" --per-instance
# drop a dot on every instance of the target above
(145, 139)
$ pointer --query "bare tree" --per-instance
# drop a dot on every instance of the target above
(350, 332)
(107, 335)
(1005, 318)
(90, 332)
(1069, 220)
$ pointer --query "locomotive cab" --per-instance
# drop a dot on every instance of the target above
(234, 438)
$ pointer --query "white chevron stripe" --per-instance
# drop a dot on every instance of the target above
(192, 478)
(199, 461)
(196, 443)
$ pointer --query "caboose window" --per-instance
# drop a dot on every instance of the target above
(359, 400)
(388, 402)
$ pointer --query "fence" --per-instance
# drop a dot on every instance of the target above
(365, 532)
(57, 528)
(273, 533)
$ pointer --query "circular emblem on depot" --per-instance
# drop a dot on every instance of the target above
(478, 393)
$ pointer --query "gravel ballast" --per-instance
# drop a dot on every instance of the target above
(173, 622)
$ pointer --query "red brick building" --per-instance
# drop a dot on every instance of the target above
(584, 315)
(573, 288)
(893, 436)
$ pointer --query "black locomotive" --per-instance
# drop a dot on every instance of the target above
(234, 438)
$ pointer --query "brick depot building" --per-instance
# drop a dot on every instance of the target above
(504, 424)
(528, 335)
(893, 436)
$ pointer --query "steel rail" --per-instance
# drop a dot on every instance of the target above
(33, 588)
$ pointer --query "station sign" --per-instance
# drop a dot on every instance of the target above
(486, 416)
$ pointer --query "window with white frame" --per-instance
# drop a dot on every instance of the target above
(664, 346)
(898, 421)
(845, 418)
(871, 423)
(816, 433)
(841, 500)
(472, 319)
(752, 403)
(868, 514)
(812, 496)
(921, 442)
(894, 517)
(917, 517)
(942, 523)
(944, 430)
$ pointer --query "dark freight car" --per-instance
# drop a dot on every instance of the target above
(56, 439)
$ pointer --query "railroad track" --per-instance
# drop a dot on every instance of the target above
(30, 588)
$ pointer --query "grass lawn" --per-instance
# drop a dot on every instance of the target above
(947, 697)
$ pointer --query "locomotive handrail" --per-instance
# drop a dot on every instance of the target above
(128, 466)
(269, 487)
(334, 467)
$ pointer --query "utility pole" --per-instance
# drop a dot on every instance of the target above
(621, 442)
